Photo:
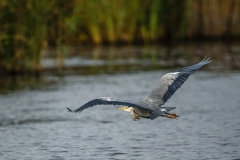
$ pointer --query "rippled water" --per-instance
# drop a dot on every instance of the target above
(34, 122)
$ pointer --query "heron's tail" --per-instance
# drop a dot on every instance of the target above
(154, 114)
(69, 110)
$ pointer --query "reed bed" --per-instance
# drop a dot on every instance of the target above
(29, 26)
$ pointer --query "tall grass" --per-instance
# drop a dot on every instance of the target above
(213, 18)
(28, 26)
(22, 34)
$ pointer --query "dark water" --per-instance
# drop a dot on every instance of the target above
(34, 122)
(112, 59)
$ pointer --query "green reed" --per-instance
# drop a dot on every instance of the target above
(29, 26)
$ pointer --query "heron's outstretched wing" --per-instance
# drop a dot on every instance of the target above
(170, 82)
(109, 101)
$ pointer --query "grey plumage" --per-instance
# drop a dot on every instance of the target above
(170, 82)
(111, 101)
(151, 106)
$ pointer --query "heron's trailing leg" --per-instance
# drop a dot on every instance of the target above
(171, 115)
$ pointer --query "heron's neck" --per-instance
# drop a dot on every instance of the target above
(130, 109)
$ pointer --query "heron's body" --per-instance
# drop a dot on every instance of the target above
(137, 113)
(151, 106)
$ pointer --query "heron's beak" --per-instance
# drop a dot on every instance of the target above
(122, 108)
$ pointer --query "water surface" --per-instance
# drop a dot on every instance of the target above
(34, 122)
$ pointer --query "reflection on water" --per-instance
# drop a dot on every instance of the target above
(96, 60)
(10, 84)
(112, 59)
(35, 124)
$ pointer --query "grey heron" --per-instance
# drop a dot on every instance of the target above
(151, 107)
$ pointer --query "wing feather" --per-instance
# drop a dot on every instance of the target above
(109, 101)
(170, 82)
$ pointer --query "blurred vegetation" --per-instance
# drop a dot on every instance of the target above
(29, 26)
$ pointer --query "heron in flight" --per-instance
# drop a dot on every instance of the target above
(151, 107)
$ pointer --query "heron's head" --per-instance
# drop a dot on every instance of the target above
(128, 109)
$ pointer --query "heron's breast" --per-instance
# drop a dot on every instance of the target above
(142, 112)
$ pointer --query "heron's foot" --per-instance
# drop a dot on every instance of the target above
(173, 116)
